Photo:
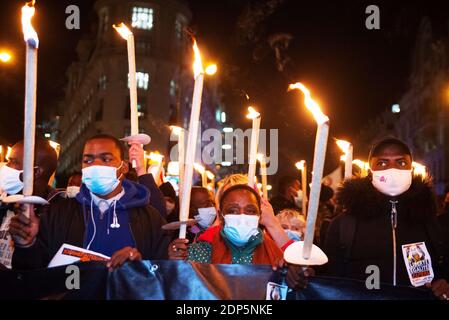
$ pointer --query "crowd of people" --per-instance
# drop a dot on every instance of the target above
(387, 219)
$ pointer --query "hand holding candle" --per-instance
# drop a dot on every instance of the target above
(186, 187)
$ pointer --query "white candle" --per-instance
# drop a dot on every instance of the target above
(318, 167)
(255, 116)
(191, 142)
(302, 166)
(263, 173)
(348, 150)
(126, 34)
(32, 44)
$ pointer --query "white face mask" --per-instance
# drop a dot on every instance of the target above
(392, 182)
(10, 180)
(206, 216)
(72, 191)
(240, 228)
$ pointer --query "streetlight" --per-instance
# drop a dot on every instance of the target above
(5, 56)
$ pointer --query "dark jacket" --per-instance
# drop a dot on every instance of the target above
(156, 197)
(362, 235)
(65, 222)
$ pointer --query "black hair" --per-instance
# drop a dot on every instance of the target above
(285, 182)
(116, 141)
(44, 156)
(378, 147)
(239, 187)
(326, 193)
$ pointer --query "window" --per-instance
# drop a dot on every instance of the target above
(104, 20)
(180, 23)
(141, 108)
(142, 18)
(102, 83)
(141, 111)
(173, 88)
(143, 79)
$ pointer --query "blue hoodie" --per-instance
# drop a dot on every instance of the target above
(107, 240)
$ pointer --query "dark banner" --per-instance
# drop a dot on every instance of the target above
(172, 280)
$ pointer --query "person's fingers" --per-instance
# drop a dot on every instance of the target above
(23, 219)
(17, 228)
(135, 255)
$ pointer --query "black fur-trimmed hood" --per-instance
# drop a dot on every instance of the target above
(358, 197)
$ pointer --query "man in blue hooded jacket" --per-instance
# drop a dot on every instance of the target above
(110, 215)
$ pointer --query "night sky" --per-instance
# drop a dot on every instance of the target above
(355, 73)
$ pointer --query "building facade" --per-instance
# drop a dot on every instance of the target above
(97, 92)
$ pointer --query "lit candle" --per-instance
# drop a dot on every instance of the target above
(32, 44)
(191, 141)
(302, 166)
(348, 150)
(155, 168)
(364, 167)
(135, 137)
(202, 171)
(263, 173)
(211, 177)
(57, 147)
(255, 116)
(419, 170)
(318, 166)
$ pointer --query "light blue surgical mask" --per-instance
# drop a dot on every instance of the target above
(101, 180)
(293, 235)
(240, 228)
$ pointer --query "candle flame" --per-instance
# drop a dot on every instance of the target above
(176, 130)
(8, 153)
(198, 63)
(252, 113)
(123, 30)
(300, 165)
(419, 169)
(343, 158)
(343, 145)
(260, 157)
(361, 164)
(155, 157)
(199, 168)
(269, 187)
(173, 168)
(210, 175)
(29, 34)
(311, 104)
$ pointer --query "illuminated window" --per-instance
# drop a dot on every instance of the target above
(173, 88)
(104, 20)
(143, 80)
(142, 18)
(102, 82)
(180, 23)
